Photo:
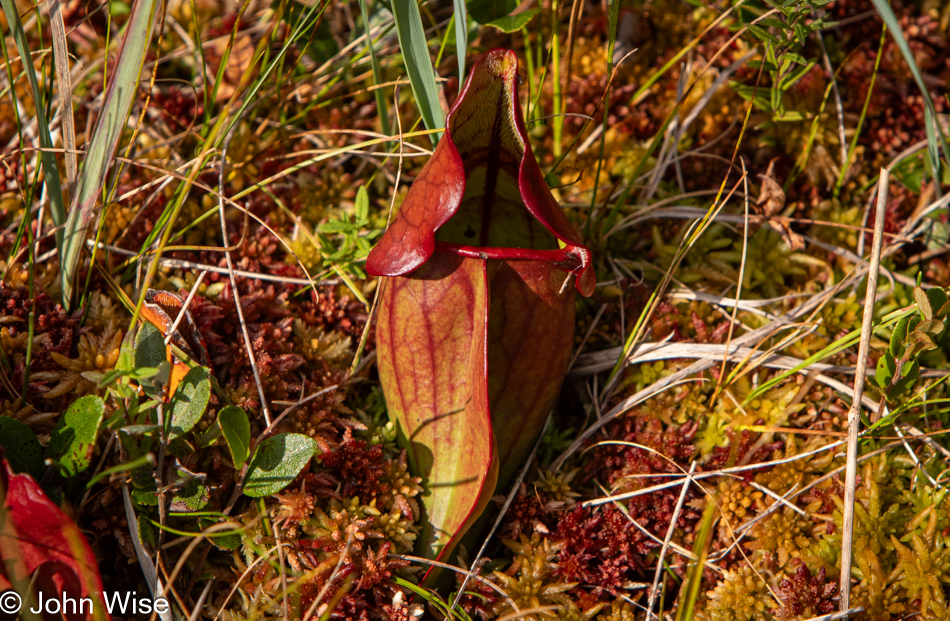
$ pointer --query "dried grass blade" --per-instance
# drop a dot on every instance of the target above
(64, 83)
(47, 157)
(105, 138)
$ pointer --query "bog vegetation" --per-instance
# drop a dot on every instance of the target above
(740, 171)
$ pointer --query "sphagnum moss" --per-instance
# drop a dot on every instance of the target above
(742, 595)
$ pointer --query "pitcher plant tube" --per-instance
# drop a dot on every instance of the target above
(476, 317)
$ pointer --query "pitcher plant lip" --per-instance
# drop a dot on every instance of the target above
(439, 191)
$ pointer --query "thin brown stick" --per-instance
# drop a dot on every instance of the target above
(370, 318)
(854, 414)
(234, 288)
(590, 330)
(666, 543)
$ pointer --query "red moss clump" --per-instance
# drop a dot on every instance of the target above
(337, 312)
(805, 595)
(179, 108)
(359, 468)
(527, 514)
(479, 598)
(613, 462)
(276, 362)
(365, 574)
(57, 328)
(894, 114)
(602, 547)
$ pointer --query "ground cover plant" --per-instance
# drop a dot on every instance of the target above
(752, 423)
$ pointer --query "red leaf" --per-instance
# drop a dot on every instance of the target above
(39, 542)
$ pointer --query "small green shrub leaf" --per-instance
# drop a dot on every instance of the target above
(886, 367)
(923, 303)
(150, 352)
(898, 336)
(933, 328)
(20, 446)
(190, 401)
(146, 498)
(486, 11)
(513, 23)
(938, 301)
(74, 436)
(193, 495)
(276, 462)
(918, 341)
(237, 433)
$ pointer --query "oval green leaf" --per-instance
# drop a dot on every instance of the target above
(237, 433)
(923, 303)
(74, 436)
(938, 301)
(150, 352)
(190, 401)
(193, 496)
(513, 23)
(20, 446)
(276, 462)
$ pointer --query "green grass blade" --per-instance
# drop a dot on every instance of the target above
(689, 592)
(864, 111)
(415, 54)
(105, 139)
(461, 36)
(47, 157)
(837, 346)
(381, 107)
(557, 123)
(936, 140)
(612, 21)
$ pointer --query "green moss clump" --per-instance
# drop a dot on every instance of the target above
(742, 595)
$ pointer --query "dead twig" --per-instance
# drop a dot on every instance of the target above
(854, 413)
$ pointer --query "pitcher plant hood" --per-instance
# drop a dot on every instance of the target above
(482, 194)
